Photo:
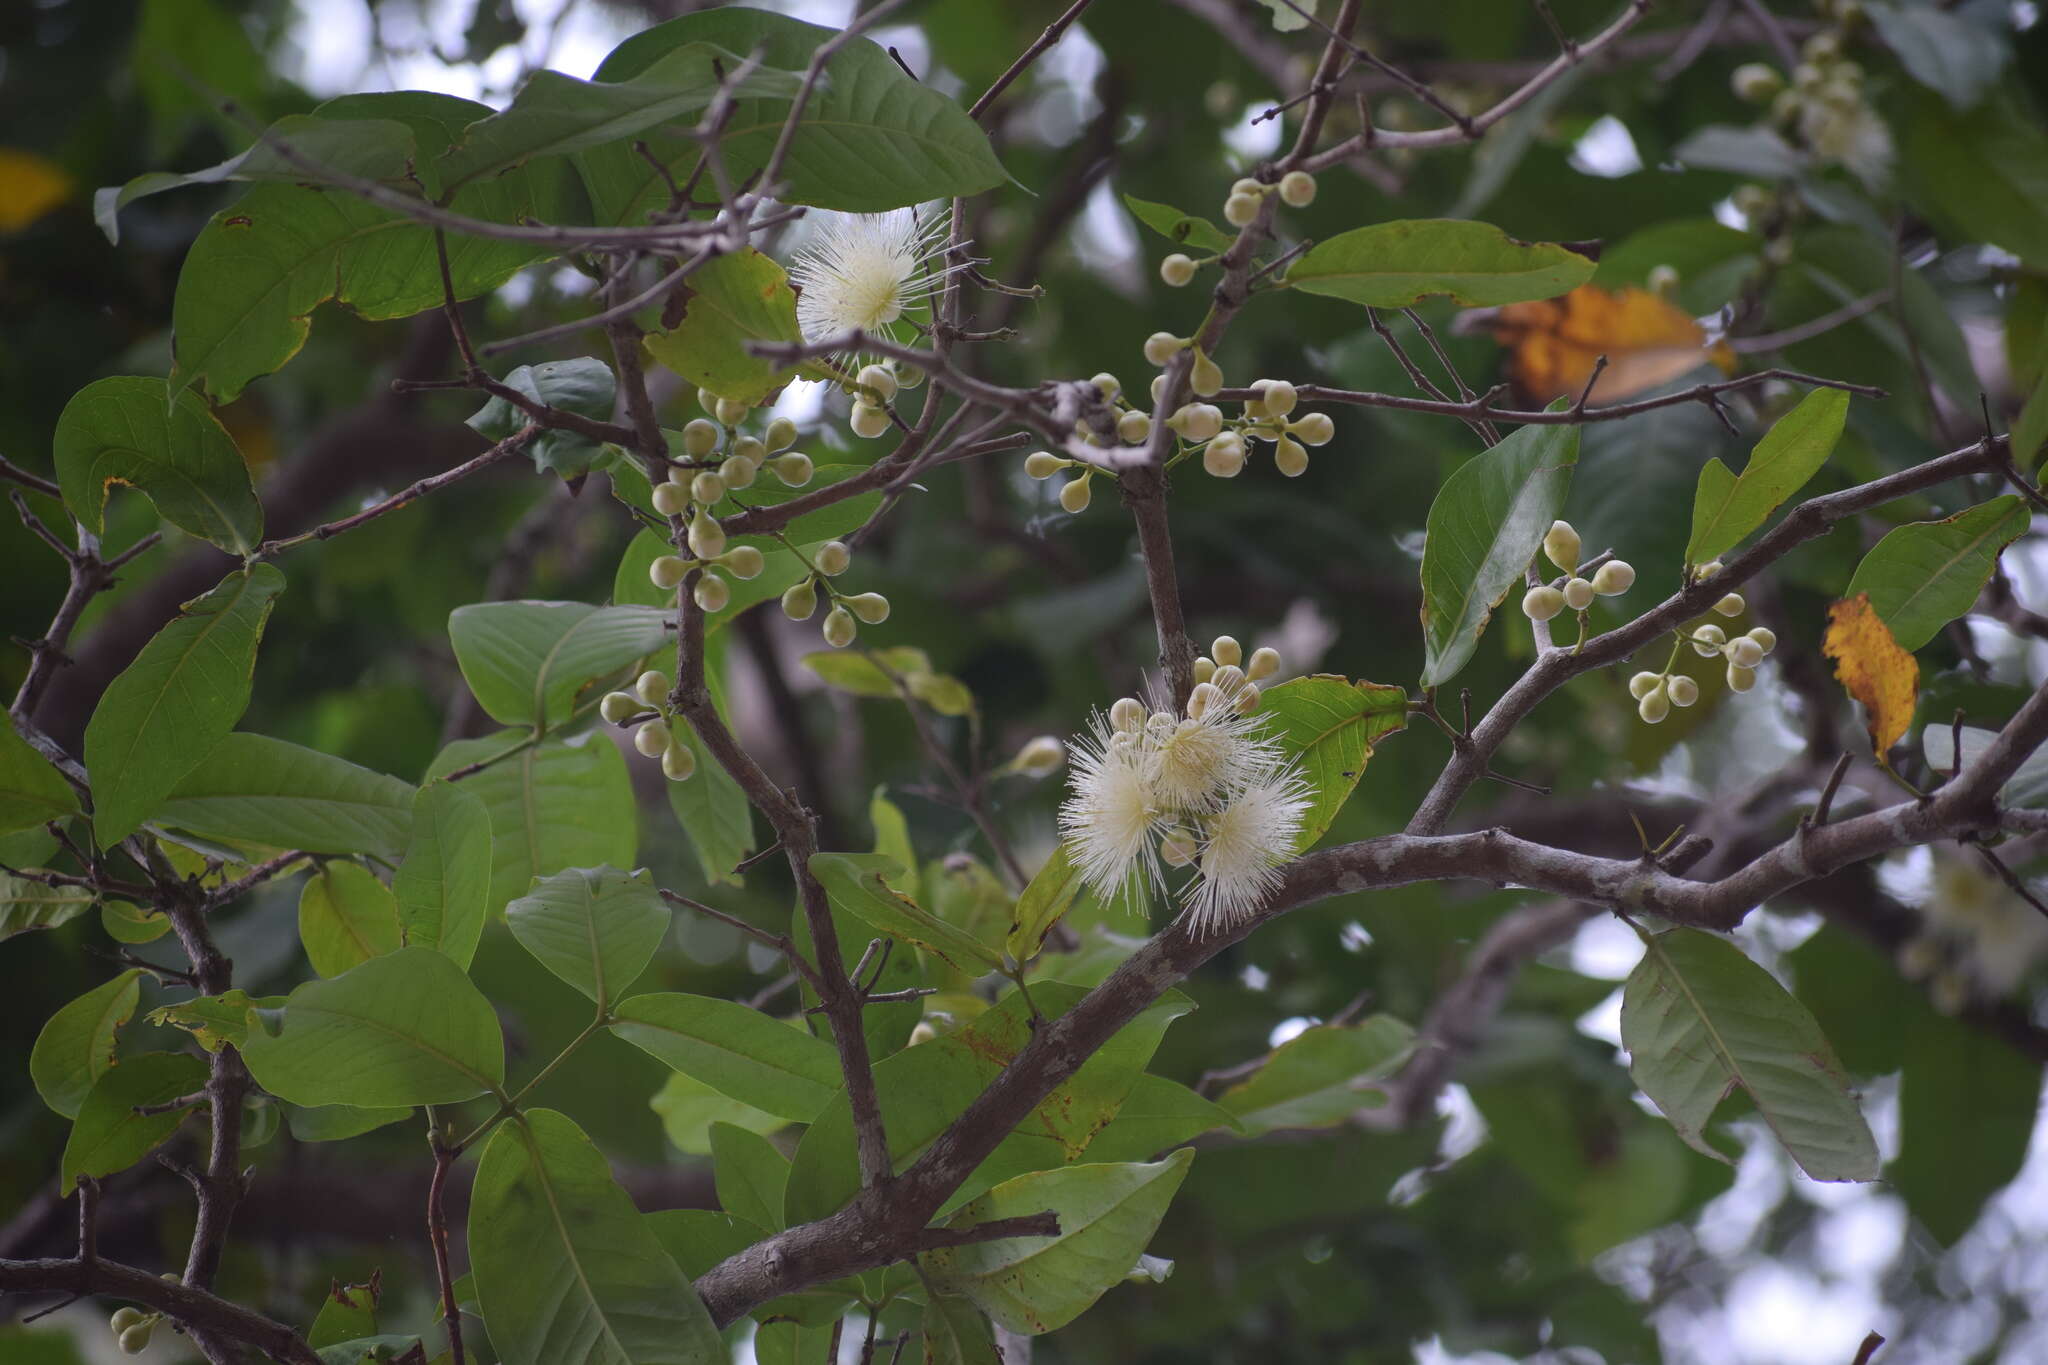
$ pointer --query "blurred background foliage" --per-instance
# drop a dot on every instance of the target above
(1542, 1214)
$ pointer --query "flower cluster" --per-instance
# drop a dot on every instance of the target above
(1657, 693)
(133, 1328)
(646, 709)
(1561, 547)
(1205, 788)
(1979, 938)
(1824, 105)
(719, 460)
(800, 603)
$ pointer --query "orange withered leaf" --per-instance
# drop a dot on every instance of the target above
(1873, 668)
(1647, 341)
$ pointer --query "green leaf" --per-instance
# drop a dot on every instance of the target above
(1945, 50)
(892, 841)
(872, 137)
(1329, 725)
(386, 1348)
(956, 1333)
(1182, 229)
(2028, 786)
(731, 300)
(1924, 575)
(181, 696)
(1712, 259)
(32, 791)
(127, 923)
(1485, 526)
(1757, 151)
(564, 1266)
(1392, 265)
(714, 811)
(2030, 428)
(1057, 889)
(403, 1029)
(688, 1107)
(551, 805)
(585, 386)
(594, 927)
(1321, 1076)
(76, 1045)
(530, 663)
(1726, 507)
(167, 446)
(1156, 1115)
(27, 905)
(338, 1122)
(865, 673)
(108, 1135)
(965, 892)
(1699, 1018)
(1980, 176)
(1967, 1104)
(738, 1051)
(444, 884)
(346, 917)
(258, 790)
(349, 1311)
(215, 1020)
(751, 1175)
(1107, 1214)
(857, 883)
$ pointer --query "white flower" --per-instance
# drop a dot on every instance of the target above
(863, 271)
(1244, 846)
(1203, 762)
(1111, 815)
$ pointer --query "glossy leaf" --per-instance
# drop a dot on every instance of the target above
(76, 1045)
(32, 792)
(258, 790)
(594, 927)
(346, 917)
(1924, 575)
(584, 386)
(730, 301)
(738, 1051)
(565, 1268)
(1182, 229)
(1727, 507)
(1485, 526)
(1329, 725)
(1107, 1215)
(167, 446)
(530, 663)
(444, 884)
(1392, 265)
(108, 1135)
(1322, 1075)
(751, 1174)
(402, 1029)
(181, 696)
(1699, 1018)
(858, 884)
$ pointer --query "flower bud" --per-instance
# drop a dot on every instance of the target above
(1244, 184)
(1756, 83)
(667, 571)
(1740, 679)
(1162, 347)
(700, 438)
(877, 383)
(1205, 669)
(833, 557)
(1707, 640)
(1315, 428)
(1641, 684)
(1197, 421)
(1127, 714)
(1203, 699)
(135, 1340)
(794, 469)
(1706, 570)
(124, 1318)
(1179, 849)
(1655, 705)
(748, 449)
(800, 601)
(1276, 396)
(712, 592)
(1228, 679)
(742, 561)
(1074, 494)
(1578, 594)
(869, 422)
(1040, 757)
(1177, 269)
(1248, 698)
(840, 628)
(1224, 456)
(678, 761)
(1614, 578)
(1107, 384)
(670, 500)
(1684, 691)
(1240, 209)
(870, 607)
(1744, 652)
(781, 434)
(707, 487)
(1134, 427)
(1561, 546)
(1766, 638)
(651, 738)
(737, 472)
(1731, 605)
(731, 411)
(908, 375)
(1226, 650)
(1297, 189)
(1542, 603)
(1663, 281)
(1207, 376)
(651, 687)
(619, 706)
(1264, 663)
(1290, 458)
(1043, 464)
(707, 537)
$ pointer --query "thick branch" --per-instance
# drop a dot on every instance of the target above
(201, 1312)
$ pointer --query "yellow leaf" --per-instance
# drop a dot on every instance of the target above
(1873, 668)
(30, 186)
(1647, 341)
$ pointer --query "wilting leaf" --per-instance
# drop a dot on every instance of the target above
(1876, 672)
(1555, 343)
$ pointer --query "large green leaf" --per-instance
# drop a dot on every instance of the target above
(402, 1029)
(27, 905)
(1321, 1076)
(872, 137)
(32, 792)
(751, 1174)
(551, 805)
(76, 1045)
(583, 385)
(108, 1135)
(1700, 1019)
(714, 812)
(1157, 1114)
(346, 917)
(1924, 575)
(444, 884)
(738, 1051)
(1950, 50)
(732, 300)
(867, 673)
(1107, 1215)
(688, 1108)
(1392, 265)
(1726, 507)
(167, 710)
(565, 1268)
(1056, 889)
(858, 884)
(1981, 176)
(260, 790)
(594, 927)
(1329, 725)
(528, 662)
(1182, 229)
(955, 1333)
(171, 448)
(1967, 1106)
(1484, 527)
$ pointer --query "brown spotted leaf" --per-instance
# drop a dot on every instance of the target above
(1873, 668)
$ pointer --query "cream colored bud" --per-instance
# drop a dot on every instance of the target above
(1707, 640)
(1756, 83)
(731, 411)
(1043, 464)
(1244, 184)
(742, 561)
(840, 628)
(700, 438)
(750, 450)
(1542, 603)
(877, 383)
(1766, 638)
(670, 500)
(1226, 650)
(1074, 494)
(1641, 684)
(1290, 458)
(1228, 679)
(1162, 347)
(1179, 849)
(1240, 209)
(1264, 663)
(134, 1340)
(619, 706)
(800, 601)
(908, 375)
(678, 761)
(833, 557)
(707, 537)
(794, 469)
(1614, 578)
(871, 607)
(1134, 427)
(868, 422)
(1248, 699)
(1158, 389)
(652, 687)
(1127, 714)
(1177, 269)
(1731, 605)
(1578, 594)
(667, 571)
(1205, 698)
(1740, 679)
(1663, 281)
(1707, 570)
(1205, 669)
(1198, 421)
(1206, 378)
(1224, 456)
(1277, 396)
(124, 1318)
(1106, 384)
(1315, 428)
(1655, 705)
(781, 434)
(707, 487)
(1040, 757)
(1744, 652)
(712, 592)
(1561, 546)
(738, 472)
(1684, 691)
(651, 738)
(1297, 189)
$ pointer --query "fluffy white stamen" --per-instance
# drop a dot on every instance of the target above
(1111, 816)
(1244, 846)
(863, 271)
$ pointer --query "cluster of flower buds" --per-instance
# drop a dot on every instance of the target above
(133, 1328)
(1297, 189)
(1561, 547)
(800, 602)
(1235, 677)
(646, 709)
(697, 484)
(1657, 693)
(1824, 105)
(873, 390)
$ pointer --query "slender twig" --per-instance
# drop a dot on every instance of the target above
(781, 943)
(512, 445)
(1054, 31)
